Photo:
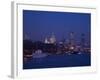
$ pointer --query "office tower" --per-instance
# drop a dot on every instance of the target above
(82, 40)
(71, 39)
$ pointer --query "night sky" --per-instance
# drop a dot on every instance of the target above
(38, 25)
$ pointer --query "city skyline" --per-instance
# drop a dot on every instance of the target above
(56, 39)
(53, 40)
(38, 25)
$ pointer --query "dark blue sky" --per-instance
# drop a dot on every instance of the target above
(40, 24)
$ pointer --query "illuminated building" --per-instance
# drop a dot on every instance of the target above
(82, 40)
(52, 39)
(71, 41)
(46, 41)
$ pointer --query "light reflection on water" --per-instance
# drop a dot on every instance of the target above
(64, 60)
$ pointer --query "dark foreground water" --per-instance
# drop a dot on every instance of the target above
(54, 61)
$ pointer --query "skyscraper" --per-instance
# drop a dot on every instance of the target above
(71, 39)
(82, 40)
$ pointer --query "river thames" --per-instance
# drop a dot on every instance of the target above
(55, 61)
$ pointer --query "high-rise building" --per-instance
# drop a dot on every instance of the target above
(82, 40)
(71, 38)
